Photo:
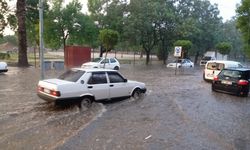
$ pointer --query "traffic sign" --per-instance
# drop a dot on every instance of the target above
(177, 51)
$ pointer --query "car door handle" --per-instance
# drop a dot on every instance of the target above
(111, 85)
(90, 87)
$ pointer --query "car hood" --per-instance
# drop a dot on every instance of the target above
(90, 64)
(3, 64)
(173, 64)
(141, 84)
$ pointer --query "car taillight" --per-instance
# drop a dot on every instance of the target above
(51, 92)
(216, 78)
(55, 93)
(39, 88)
(242, 82)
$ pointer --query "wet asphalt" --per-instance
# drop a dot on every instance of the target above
(178, 112)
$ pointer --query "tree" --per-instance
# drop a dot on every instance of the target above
(3, 12)
(109, 39)
(199, 22)
(67, 25)
(166, 27)
(224, 48)
(22, 40)
(186, 46)
(243, 23)
(231, 34)
(141, 22)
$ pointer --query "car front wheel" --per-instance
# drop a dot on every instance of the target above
(137, 94)
(116, 68)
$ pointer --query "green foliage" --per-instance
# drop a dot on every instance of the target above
(68, 25)
(4, 56)
(224, 48)
(186, 44)
(12, 39)
(3, 12)
(243, 23)
(108, 38)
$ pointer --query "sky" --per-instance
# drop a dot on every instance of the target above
(227, 7)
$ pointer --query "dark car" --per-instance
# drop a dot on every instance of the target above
(232, 81)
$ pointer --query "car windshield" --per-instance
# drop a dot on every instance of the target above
(71, 75)
(97, 59)
(207, 58)
(178, 61)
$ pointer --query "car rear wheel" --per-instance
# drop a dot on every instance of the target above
(137, 94)
(86, 103)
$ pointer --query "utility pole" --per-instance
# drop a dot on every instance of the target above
(41, 38)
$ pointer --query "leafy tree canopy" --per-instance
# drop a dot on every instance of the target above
(108, 38)
(224, 48)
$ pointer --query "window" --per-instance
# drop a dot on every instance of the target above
(105, 61)
(98, 78)
(115, 77)
(71, 75)
(112, 60)
(215, 66)
(232, 74)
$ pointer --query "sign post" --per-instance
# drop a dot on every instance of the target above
(177, 54)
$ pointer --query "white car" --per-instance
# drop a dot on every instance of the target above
(109, 63)
(181, 63)
(214, 67)
(88, 85)
(3, 67)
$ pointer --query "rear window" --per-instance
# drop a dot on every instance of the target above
(215, 66)
(232, 73)
(71, 75)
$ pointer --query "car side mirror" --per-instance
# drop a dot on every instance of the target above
(125, 80)
(82, 81)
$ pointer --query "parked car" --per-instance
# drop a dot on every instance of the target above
(88, 85)
(3, 67)
(181, 63)
(214, 67)
(233, 81)
(109, 63)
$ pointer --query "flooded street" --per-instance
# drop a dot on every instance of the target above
(178, 112)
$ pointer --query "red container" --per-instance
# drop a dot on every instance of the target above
(75, 56)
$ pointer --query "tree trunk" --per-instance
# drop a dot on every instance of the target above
(22, 41)
(147, 57)
(196, 57)
(101, 51)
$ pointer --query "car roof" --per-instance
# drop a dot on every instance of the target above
(94, 69)
(223, 61)
(238, 69)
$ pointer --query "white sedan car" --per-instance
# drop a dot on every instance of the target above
(3, 67)
(109, 63)
(186, 63)
(88, 85)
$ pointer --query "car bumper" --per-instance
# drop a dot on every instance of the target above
(46, 97)
(3, 70)
(143, 90)
(236, 90)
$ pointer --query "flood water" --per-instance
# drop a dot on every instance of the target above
(178, 112)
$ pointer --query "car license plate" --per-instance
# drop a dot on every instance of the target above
(226, 82)
(47, 91)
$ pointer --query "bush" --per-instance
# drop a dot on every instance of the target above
(4, 56)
